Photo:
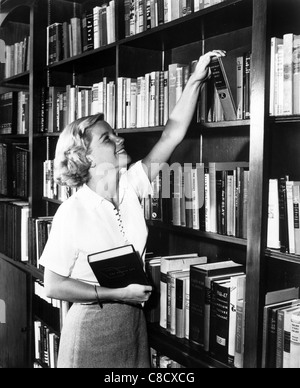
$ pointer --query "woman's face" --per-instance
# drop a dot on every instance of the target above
(107, 149)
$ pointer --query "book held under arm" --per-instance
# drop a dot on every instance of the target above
(118, 268)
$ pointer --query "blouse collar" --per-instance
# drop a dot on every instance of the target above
(95, 199)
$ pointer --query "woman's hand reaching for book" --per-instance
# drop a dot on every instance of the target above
(136, 294)
(202, 71)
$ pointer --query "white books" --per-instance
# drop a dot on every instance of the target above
(287, 359)
(96, 12)
(166, 97)
(295, 340)
(24, 234)
(174, 263)
(187, 308)
(296, 75)
(288, 41)
(237, 289)
(240, 87)
(275, 43)
(273, 215)
(181, 305)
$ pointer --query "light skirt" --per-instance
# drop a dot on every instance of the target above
(112, 337)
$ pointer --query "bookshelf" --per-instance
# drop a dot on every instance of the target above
(234, 25)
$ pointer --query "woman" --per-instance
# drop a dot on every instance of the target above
(106, 327)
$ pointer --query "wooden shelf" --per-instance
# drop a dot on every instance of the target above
(26, 267)
(55, 201)
(286, 257)
(13, 136)
(19, 80)
(140, 130)
(285, 119)
(227, 124)
(104, 56)
(197, 233)
(237, 13)
(182, 351)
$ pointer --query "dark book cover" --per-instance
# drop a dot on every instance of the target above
(223, 89)
(199, 297)
(219, 334)
(118, 268)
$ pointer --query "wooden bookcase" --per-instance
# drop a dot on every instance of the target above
(269, 144)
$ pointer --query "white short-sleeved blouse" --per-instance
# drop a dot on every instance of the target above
(87, 223)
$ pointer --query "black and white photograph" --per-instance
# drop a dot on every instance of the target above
(149, 187)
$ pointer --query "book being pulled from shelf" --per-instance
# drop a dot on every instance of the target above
(285, 75)
(283, 217)
(96, 28)
(141, 16)
(227, 95)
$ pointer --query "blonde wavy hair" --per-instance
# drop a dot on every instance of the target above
(71, 164)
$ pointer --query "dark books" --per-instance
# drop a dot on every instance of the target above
(223, 89)
(118, 268)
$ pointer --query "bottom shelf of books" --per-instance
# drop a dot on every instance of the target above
(182, 351)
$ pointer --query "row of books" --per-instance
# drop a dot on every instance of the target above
(38, 233)
(148, 100)
(46, 345)
(17, 58)
(141, 16)
(285, 76)
(200, 302)
(14, 163)
(95, 29)
(283, 215)
(62, 105)
(50, 316)
(212, 198)
(52, 190)
(14, 113)
(14, 226)
(281, 324)
(159, 361)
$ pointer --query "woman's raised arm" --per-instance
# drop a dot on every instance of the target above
(181, 117)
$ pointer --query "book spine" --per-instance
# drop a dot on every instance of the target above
(288, 40)
(197, 303)
(223, 88)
